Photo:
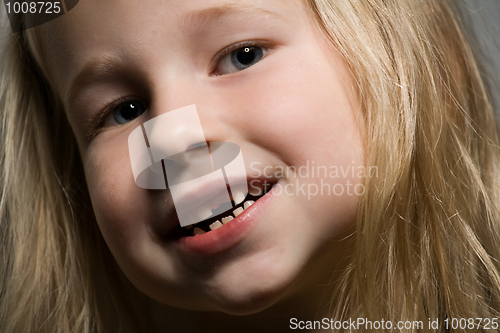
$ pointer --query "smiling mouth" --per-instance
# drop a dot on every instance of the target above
(218, 221)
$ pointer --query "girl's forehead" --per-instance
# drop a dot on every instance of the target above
(95, 20)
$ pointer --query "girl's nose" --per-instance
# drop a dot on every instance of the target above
(176, 138)
(174, 132)
(179, 90)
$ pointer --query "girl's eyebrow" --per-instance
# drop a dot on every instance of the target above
(199, 20)
(100, 69)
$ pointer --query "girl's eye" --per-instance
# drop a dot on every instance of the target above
(128, 111)
(240, 59)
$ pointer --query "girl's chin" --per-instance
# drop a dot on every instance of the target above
(250, 300)
(239, 290)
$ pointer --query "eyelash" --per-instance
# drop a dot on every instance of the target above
(233, 47)
(97, 123)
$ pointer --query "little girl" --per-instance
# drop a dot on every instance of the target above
(371, 154)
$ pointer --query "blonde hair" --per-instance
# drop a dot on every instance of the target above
(45, 285)
(53, 260)
(428, 224)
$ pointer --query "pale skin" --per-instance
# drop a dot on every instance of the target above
(294, 105)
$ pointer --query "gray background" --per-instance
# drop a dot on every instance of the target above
(482, 18)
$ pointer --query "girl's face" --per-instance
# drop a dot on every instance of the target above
(286, 101)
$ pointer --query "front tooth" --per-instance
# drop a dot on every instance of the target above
(227, 219)
(216, 225)
(239, 197)
(248, 203)
(198, 231)
(238, 211)
(204, 213)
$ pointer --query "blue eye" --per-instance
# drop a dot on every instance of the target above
(240, 59)
(128, 111)
(246, 57)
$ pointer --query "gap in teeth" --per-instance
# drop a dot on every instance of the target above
(198, 231)
(217, 224)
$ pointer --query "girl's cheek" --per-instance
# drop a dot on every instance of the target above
(119, 204)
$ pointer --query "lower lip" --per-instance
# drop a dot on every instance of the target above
(228, 235)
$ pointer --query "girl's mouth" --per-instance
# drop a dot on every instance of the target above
(218, 221)
(222, 232)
